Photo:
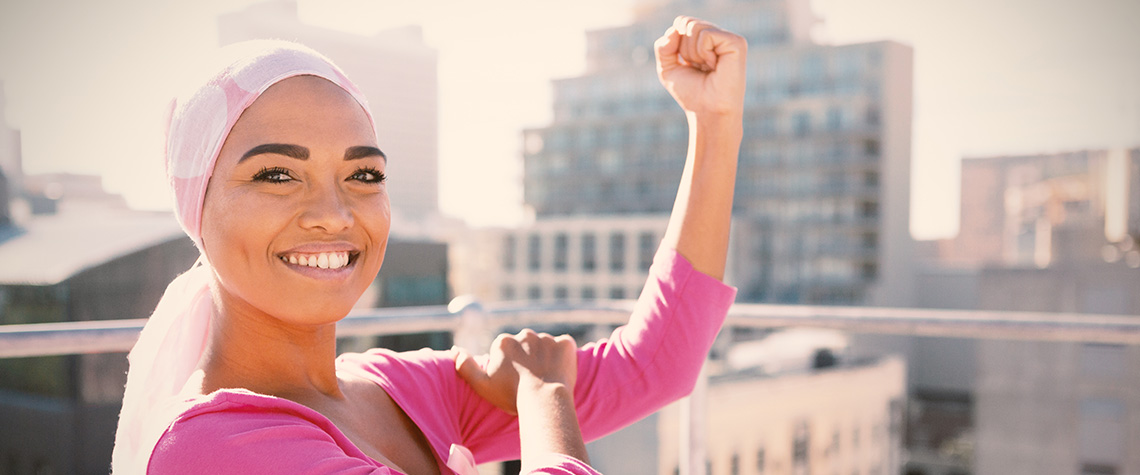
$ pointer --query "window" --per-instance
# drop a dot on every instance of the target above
(534, 292)
(617, 252)
(801, 123)
(1099, 360)
(534, 252)
(617, 293)
(1102, 433)
(872, 115)
(869, 271)
(507, 292)
(561, 293)
(589, 252)
(646, 247)
(767, 125)
(800, 444)
(509, 252)
(1098, 469)
(870, 241)
(869, 209)
(834, 118)
(588, 293)
(871, 148)
(760, 460)
(561, 245)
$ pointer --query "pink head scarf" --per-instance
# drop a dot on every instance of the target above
(174, 337)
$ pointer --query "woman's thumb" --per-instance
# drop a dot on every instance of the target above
(468, 368)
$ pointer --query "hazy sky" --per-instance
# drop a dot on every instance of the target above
(86, 83)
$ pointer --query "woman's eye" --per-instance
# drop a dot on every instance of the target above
(273, 175)
(368, 175)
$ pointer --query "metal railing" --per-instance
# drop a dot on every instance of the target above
(473, 325)
(466, 320)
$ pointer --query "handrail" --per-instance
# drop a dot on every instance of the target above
(65, 338)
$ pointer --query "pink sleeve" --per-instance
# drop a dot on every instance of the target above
(644, 365)
(247, 440)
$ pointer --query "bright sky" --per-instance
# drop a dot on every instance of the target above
(86, 81)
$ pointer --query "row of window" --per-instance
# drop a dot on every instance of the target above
(808, 182)
(798, 123)
(588, 259)
(562, 292)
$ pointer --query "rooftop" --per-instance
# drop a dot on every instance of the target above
(48, 250)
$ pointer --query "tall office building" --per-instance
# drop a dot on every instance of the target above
(396, 71)
(824, 178)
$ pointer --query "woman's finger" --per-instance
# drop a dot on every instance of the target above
(666, 49)
(469, 369)
(706, 47)
(694, 49)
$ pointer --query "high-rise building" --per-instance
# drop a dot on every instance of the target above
(824, 176)
(397, 72)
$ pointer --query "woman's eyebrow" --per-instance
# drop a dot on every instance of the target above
(288, 150)
(362, 151)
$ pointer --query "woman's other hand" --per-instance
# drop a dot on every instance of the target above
(702, 66)
(527, 361)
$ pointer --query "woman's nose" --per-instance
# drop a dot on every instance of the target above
(327, 210)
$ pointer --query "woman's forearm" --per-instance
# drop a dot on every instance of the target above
(699, 225)
(548, 424)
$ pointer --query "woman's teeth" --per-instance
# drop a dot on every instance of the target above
(324, 260)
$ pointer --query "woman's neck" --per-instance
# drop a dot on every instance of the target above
(250, 349)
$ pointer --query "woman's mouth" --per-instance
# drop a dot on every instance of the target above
(320, 260)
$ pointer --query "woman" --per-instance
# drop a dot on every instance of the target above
(280, 182)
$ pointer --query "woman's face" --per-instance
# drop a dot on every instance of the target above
(296, 214)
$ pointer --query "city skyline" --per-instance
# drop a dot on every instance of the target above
(1020, 77)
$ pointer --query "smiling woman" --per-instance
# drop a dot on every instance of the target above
(280, 182)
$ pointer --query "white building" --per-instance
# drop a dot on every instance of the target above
(572, 258)
(845, 420)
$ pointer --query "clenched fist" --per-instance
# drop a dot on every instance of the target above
(702, 66)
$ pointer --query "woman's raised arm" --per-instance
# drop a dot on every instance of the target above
(656, 357)
(703, 68)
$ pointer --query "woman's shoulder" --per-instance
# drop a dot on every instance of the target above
(384, 365)
(238, 431)
(238, 406)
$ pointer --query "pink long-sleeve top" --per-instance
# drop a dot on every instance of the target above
(644, 365)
